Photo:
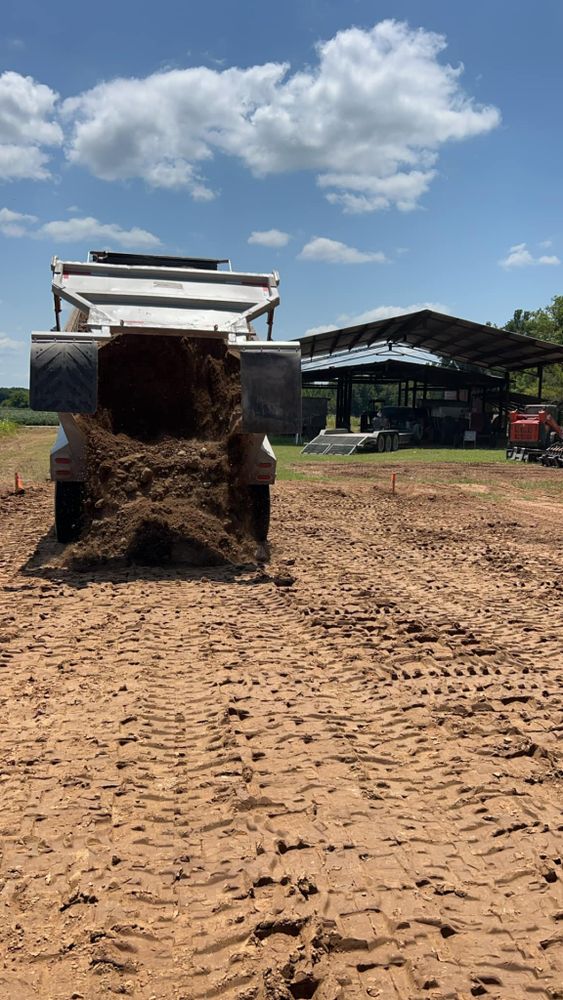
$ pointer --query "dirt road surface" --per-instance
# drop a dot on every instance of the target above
(340, 778)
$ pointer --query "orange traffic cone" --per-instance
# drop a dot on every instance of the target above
(18, 483)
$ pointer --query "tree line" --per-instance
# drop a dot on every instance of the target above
(545, 324)
(15, 398)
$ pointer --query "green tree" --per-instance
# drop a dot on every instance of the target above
(545, 324)
(16, 398)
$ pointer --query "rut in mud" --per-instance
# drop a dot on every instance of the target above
(339, 779)
(165, 469)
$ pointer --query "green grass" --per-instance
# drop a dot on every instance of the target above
(290, 458)
(25, 451)
(7, 427)
(31, 418)
(484, 473)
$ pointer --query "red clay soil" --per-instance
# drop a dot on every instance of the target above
(164, 469)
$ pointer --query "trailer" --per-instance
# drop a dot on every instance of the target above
(343, 442)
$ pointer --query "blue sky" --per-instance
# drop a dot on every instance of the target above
(384, 155)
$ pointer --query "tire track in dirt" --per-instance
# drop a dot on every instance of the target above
(221, 787)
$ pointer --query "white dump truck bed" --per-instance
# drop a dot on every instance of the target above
(159, 297)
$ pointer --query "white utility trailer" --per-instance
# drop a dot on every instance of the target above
(343, 442)
(116, 294)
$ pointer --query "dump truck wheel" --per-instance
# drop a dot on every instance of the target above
(395, 442)
(260, 496)
(69, 510)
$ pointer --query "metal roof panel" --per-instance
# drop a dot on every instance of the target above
(447, 336)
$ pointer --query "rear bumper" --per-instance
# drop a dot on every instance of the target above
(260, 466)
(68, 455)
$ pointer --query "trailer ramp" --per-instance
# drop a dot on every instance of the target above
(344, 443)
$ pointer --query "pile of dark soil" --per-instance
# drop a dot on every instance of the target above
(164, 466)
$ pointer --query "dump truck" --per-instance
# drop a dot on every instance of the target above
(534, 435)
(118, 295)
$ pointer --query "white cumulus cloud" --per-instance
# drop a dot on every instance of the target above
(27, 123)
(333, 252)
(548, 259)
(80, 230)
(8, 345)
(75, 230)
(387, 312)
(367, 118)
(374, 315)
(15, 223)
(269, 238)
(520, 256)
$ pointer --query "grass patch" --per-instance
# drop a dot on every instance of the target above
(290, 458)
(26, 451)
(286, 471)
(7, 427)
(482, 473)
(31, 418)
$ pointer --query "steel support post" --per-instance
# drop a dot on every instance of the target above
(339, 388)
(343, 401)
(504, 401)
(348, 403)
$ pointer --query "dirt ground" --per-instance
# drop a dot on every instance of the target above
(338, 778)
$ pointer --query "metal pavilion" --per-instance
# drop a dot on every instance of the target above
(366, 353)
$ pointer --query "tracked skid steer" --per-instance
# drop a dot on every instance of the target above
(143, 296)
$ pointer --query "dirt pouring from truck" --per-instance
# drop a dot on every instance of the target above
(164, 459)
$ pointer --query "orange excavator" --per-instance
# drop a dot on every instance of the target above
(535, 436)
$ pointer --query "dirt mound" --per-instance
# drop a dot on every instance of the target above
(164, 466)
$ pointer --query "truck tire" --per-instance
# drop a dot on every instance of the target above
(260, 499)
(380, 444)
(69, 511)
(388, 442)
(395, 442)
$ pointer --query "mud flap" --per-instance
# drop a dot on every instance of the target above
(271, 392)
(64, 377)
